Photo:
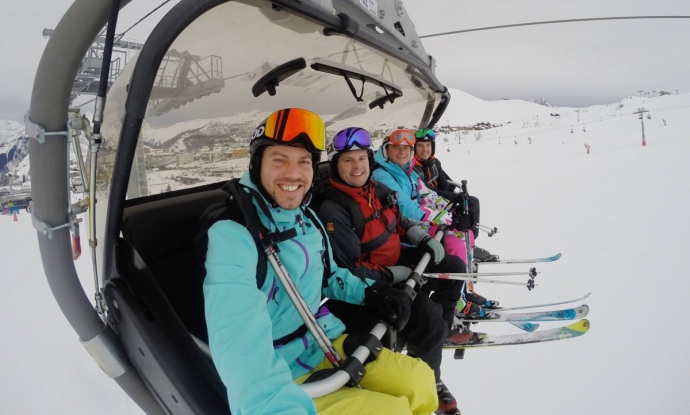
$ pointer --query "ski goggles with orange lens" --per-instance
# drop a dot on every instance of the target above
(402, 137)
(289, 124)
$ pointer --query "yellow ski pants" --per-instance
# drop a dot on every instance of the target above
(394, 384)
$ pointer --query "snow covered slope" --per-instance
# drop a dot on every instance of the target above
(618, 215)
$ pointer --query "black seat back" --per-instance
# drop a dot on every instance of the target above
(162, 232)
(156, 300)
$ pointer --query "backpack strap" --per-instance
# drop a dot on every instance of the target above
(388, 199)
(325, 257)
(261, 235)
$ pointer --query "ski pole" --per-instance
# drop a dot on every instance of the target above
(302, 308)
(462, 277)
(490, 231)
(531, 273)
(468, 245)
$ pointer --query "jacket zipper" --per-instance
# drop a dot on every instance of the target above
(301, 224)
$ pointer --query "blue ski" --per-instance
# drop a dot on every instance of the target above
(556, 315)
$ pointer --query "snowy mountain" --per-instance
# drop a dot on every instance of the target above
(542, 102)
(196, 133)
(14, 145)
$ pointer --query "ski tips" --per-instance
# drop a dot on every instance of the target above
(582, 311)
(580, 326)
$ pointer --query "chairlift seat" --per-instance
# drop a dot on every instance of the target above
(161, 231)
(160, 300)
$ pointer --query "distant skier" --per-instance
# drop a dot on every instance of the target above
(529, 139)
(587, 147)
(664, 122)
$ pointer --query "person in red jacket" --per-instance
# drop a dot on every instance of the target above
(373, 240)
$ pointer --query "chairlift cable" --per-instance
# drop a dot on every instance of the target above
(589, 19)
(140, 20)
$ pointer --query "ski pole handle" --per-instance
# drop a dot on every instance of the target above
(463, 185)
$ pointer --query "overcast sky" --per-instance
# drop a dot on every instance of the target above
(573, 64)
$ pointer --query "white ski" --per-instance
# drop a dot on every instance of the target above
(544, 305)
(521, 261)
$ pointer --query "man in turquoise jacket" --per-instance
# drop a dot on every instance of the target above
(254, 334)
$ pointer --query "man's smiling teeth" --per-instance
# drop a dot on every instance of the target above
(357, 174)
(289, 188)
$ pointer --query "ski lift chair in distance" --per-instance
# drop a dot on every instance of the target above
(152, 342)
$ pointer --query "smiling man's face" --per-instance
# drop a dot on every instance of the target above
(286, 174)
(399, 155)
(353, 167)
(422, 150)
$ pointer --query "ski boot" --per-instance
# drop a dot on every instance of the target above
(461, 334)
(474, 311)
(481, 301)
(482, 255)
(446, 401)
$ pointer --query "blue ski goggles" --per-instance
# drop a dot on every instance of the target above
(349, 137)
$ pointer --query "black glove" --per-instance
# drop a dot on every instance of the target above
(392, 304)
(464, 221)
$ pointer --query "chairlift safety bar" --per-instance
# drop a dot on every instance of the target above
(339, 378)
